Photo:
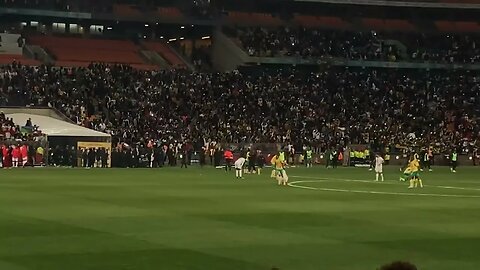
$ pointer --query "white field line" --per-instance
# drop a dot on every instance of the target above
(379, 182)
(297, 184)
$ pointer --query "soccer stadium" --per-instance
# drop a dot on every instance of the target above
(239, 134)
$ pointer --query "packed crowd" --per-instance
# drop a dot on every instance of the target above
(303, 42)
(10, 131)
(445, 48)
(334, 107)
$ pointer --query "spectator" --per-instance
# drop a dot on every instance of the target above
(29, 122)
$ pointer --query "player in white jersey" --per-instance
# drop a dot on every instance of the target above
(239, 167)
(378, 167)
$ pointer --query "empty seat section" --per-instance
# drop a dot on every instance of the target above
(307, 20)
(253, 18)
(169, 13)
(265, 19)
(467, 26)
(10, 58)
(445, 26)
(107, 56)
(320, 21)
(126, 11)
(334, 22)
(83, 43)
(163, 50)
(373, 23)
(66, 50)
(400, 25)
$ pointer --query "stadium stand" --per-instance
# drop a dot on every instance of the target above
(388, 24)
(320, 21)
(455, 27)
(253, 18)
(18, 58)
(126, 10)
(308, 42)
(12, 131)
(388, 106)
(135, 102)
(170, 13)
(11, 50)
(80, 52)
(447, 48)
(311, 43)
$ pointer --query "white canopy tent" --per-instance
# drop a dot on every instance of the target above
(54, 127)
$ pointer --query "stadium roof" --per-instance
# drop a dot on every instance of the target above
(55, 127)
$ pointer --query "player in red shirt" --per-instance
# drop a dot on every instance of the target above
(24, 154)
(15, 155)
(4, 156)
(8, 156)
(228, 155)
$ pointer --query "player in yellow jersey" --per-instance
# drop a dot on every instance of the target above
(407, 172)
(281, 156)
(281, 174)
(272, 162)
(415, 180)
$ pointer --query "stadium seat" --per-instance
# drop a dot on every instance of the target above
(321, 21)
(445, 26)
(254, 18)
(399, 25)
(472, 27)
(10, 58)
(126, 11)
(68, 50)
(374, 23)
(169, 13)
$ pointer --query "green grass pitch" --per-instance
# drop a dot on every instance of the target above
(172, 218)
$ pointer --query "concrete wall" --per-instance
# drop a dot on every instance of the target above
(226, 55)
(9, 44)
